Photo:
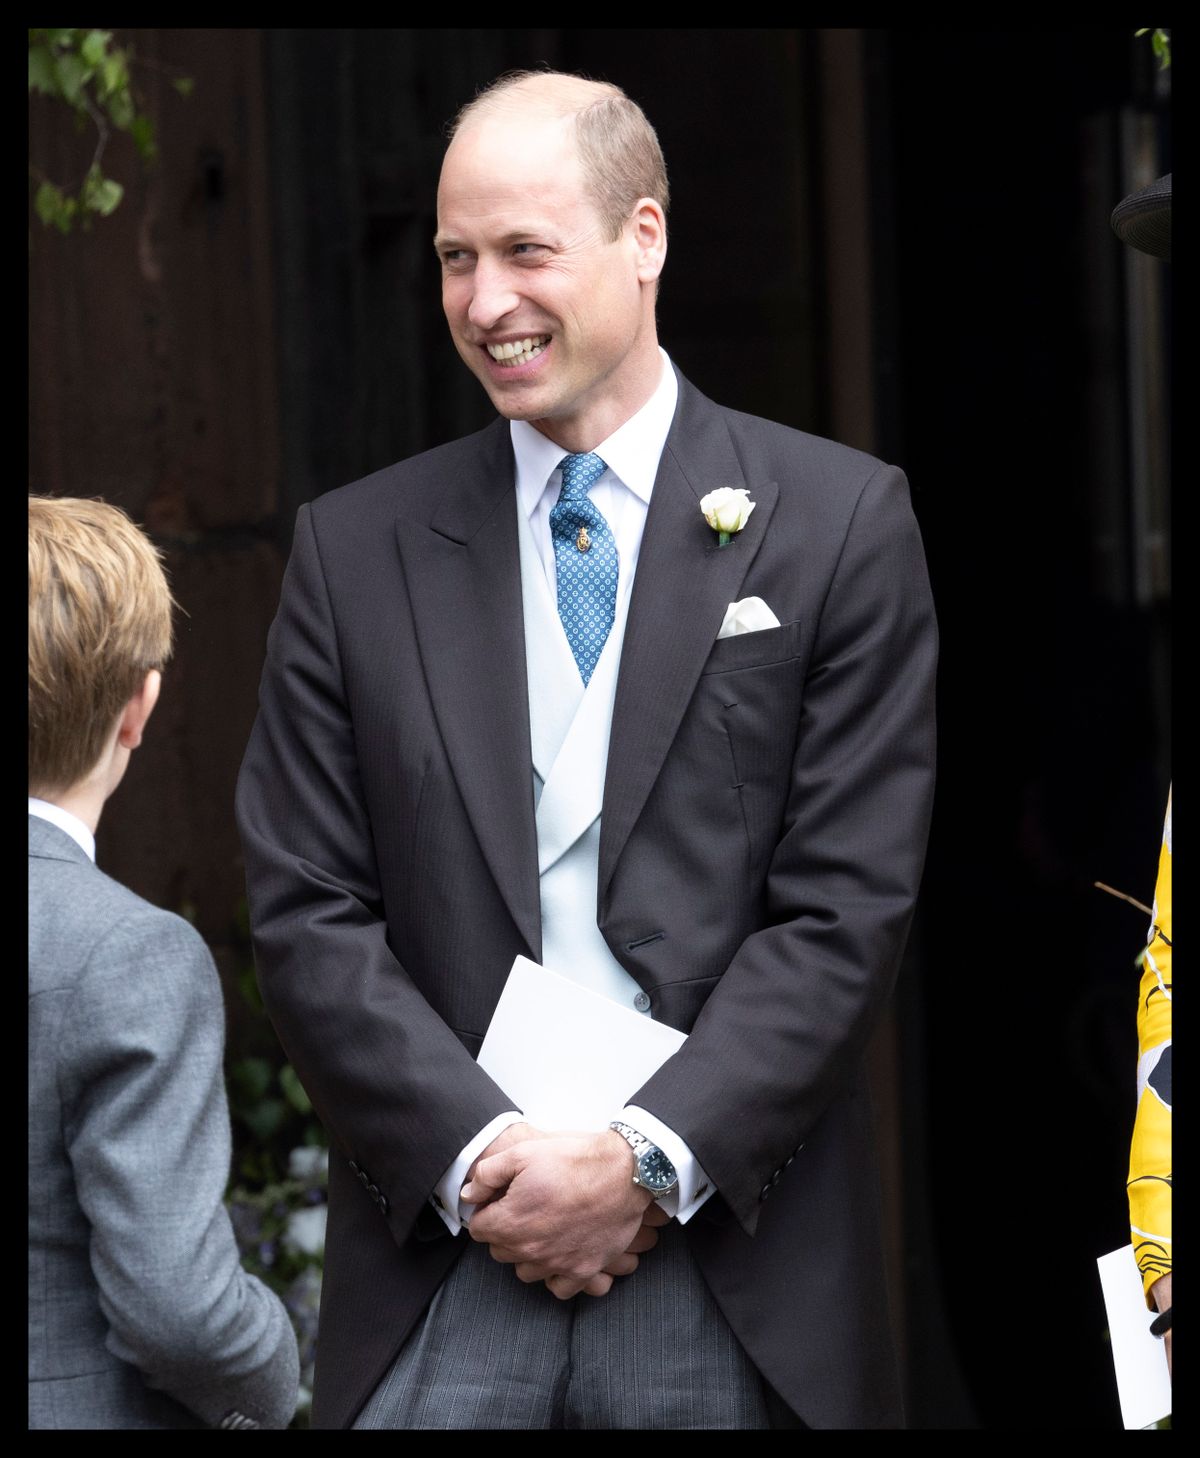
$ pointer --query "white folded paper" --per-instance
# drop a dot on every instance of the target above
(1143, 1382)
(567, 1057)
(750, 615)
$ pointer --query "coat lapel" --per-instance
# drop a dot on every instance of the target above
(464, 581)
(683, 586)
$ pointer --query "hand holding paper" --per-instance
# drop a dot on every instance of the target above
(563, 1210)
(562, 1206)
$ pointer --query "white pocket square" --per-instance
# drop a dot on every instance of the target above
(751, 615)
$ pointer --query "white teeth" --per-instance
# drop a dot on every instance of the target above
(519, 351)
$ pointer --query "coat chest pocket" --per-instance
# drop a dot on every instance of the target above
(748, 707)
(755, 650)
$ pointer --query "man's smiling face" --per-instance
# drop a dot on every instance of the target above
(555, 318)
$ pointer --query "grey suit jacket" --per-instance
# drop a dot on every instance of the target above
(766, 805)
(140, 1315)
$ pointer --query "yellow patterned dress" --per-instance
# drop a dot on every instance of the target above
(1150, 1153)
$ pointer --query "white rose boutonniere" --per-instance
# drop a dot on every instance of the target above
(727, 511)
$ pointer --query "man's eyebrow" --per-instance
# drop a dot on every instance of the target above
(443, 241)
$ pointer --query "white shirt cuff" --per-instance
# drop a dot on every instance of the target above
(694, 1185)
(445, 1198)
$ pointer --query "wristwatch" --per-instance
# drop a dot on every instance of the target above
(653, 1171)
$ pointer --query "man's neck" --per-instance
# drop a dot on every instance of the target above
(583, 431)
(85, 801)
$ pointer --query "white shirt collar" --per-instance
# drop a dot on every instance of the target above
(72, 824)
(632, 452)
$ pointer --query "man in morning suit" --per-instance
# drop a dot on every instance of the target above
(140, 1315)
(521, 698)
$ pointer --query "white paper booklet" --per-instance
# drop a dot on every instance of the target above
(1143, 1383)
(568, 1057)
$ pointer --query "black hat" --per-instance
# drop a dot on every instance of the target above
(1143, 219)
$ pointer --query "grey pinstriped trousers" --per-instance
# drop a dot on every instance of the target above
(492, 1352)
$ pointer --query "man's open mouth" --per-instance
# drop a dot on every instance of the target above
(518, 351)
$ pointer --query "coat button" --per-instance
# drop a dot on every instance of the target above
(641, 1002)
(384, 1207)
(764, 1192)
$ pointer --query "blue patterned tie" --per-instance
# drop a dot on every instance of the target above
(586, 557)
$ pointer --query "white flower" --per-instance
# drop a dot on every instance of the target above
(309, 1163)
(305, 1230)
(727, 510)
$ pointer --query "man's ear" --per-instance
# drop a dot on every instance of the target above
(138, 710)
(650, 239)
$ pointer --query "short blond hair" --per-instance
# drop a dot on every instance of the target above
(99, 621)
(618, 147)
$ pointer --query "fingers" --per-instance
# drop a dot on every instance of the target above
(493, 1174)
(646, 1239)
(485, 1201)
(564, 1287)
(655, 1215)
(622, 1265)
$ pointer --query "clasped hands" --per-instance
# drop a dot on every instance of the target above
(562, 1208)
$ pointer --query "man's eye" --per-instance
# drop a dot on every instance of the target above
(526, 249)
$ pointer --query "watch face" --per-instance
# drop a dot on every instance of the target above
(655, 1171)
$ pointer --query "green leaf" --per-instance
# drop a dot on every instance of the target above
(265, 1118)
(120, 108)
(42, 75)
(141, 129)
(114, 74)
(101, 194)
(71, 73)
(184, 85)
(55, 208)
(61, 37)
(94, 46)
(48, 202)
(294, 1089)
(67, 212)
(248, 987)
(249, 1079)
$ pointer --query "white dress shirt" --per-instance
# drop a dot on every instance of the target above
(622, 496)
(72, 824)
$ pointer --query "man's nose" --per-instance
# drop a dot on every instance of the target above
(492, 296)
